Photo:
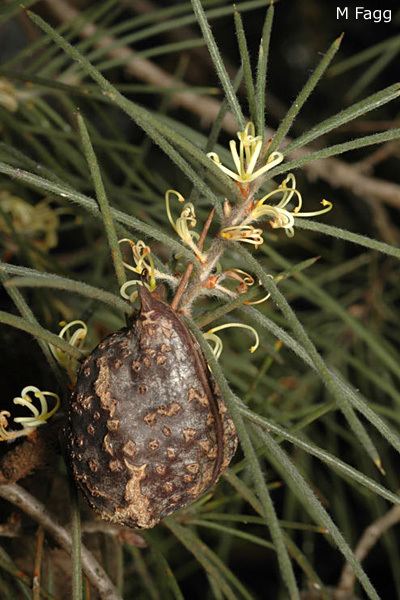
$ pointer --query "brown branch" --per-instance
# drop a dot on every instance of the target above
(383, 152)
(189, 269)
(182, 286)
(371, 535)
(37, 511)
(214, 254)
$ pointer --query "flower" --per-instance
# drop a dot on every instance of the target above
(39, 416)
(218, 345)
(245, 281)
(280, 216)
(75, 339)
(143, 265)
(242, 233)
(246, 159)
(143, 260)
(184, 223)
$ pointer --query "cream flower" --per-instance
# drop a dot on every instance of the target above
(38, 416)
(242, 233)
(143, 263)
(74, 338)
(211, 336)
(280, 217)
(246, 159)
(184, 224)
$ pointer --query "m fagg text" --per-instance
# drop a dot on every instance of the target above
(360, 13)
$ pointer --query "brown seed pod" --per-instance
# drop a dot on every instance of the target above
(148, 431)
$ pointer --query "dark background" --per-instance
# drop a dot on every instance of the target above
(302, 31)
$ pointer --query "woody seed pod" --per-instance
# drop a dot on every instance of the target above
(148, 431)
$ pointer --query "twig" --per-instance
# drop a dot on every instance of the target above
(37, 569)
(189, 269)
(76, 537)
(215, 252)
(88, 594)
(202, 59)
(37, 511)
(368, 126)
(24, 580)
(182, 285)
(371, 535)
(383, 223)
(367, 164)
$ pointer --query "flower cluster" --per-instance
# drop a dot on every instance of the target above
(278, 214)
(280, 207)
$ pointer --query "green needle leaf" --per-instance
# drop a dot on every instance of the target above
(103, 202)
(345, 116)
(262, 65)
(218, 63)
(297, 105)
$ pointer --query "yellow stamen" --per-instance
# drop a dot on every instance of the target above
(260, 301)
(210, 335)
(240, 275)
(287, 188)
(218, 346)
(326, 203)
(143, 262)
(139, 254)
(245, 279)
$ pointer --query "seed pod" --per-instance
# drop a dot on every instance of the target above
(148, 431)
